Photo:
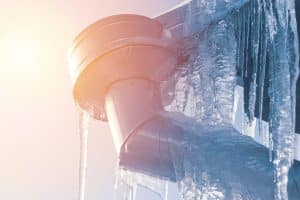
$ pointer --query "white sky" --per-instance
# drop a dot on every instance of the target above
(39, 146)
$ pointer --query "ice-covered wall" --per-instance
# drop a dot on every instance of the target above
(258, 42)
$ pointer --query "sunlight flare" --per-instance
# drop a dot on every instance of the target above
(21, 53)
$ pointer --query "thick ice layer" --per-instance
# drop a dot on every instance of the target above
(282, 90)
(205, 85)
(262, 47)
(218, 162)
(259, 44)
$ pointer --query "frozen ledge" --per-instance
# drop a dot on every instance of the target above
(185, 19)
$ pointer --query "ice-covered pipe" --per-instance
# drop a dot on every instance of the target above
(118, 63)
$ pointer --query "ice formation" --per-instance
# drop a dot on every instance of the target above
(256, 47)
(258, 43)
(83, 133)
(131, 181)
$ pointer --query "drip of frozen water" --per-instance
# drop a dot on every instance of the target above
(134, 180)
(83, 133)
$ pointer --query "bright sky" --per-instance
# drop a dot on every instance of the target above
(39, 146)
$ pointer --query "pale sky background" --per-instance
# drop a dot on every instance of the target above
(39, 144)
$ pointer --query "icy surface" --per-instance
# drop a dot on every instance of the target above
(215, 162)
(131, 181)
(83, 133)
(257, 48)
(259, 44)
(267, 31)
(202, 13)
(205, 86)
(219, 163)
(282, 89)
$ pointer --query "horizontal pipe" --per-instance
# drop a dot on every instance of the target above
(165, 147)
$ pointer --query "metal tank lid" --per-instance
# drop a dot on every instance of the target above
(114, 48)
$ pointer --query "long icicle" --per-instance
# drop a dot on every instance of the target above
(255, 9)
(262, 66)
(283, 56)
(83, 133)
(268, 60)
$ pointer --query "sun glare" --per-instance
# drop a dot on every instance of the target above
(21, 54)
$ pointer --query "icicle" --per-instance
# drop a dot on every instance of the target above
(255, 9)
(202, 83)
(247, 40)
(282, 97)
(133, 180)
(268, 48)
(293, 43)
(207, 82)
(262, 66)
(124, 191)
(83, 133)
(266, 59)
(223, 50)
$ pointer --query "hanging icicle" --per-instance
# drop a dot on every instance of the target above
(267, 60)
(83, 134)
